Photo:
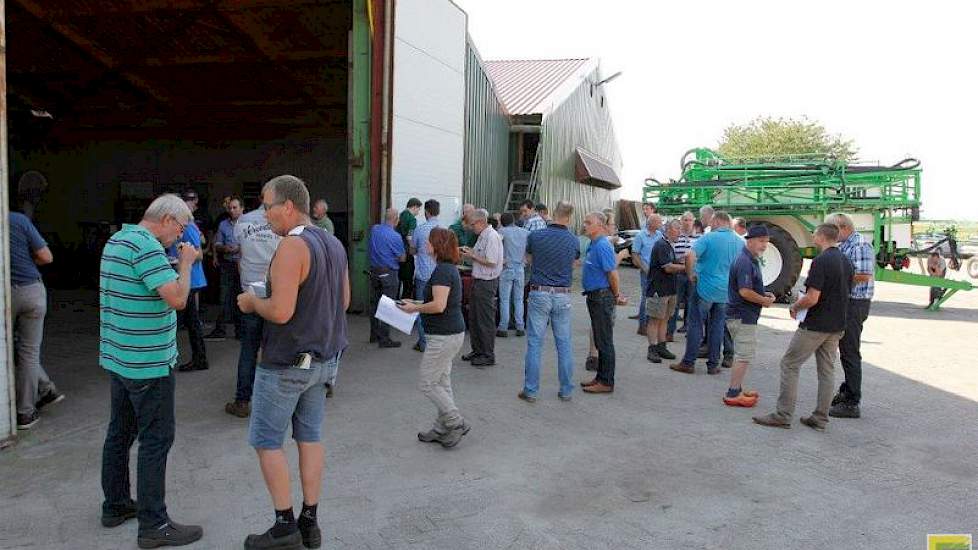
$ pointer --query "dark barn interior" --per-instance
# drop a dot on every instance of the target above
(112, 102)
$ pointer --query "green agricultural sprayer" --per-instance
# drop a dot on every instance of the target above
(791, 195)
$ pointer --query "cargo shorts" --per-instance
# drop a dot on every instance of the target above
(744, 340)
(660, 308)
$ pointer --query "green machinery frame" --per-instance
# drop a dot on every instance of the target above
(806, 186)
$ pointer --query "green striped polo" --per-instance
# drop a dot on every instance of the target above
(138, 330)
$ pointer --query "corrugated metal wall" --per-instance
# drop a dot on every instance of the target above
(580, 121)
(486, 138)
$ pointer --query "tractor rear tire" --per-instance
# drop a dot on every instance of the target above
(790, 261)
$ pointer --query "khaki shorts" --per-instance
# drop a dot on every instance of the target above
(660, 308)
(744, 340)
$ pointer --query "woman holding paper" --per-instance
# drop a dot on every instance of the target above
(444, 326)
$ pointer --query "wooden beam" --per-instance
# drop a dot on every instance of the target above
(231, 57)
(92, 49)
(67, 9)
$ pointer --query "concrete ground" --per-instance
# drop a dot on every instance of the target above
(661, 463)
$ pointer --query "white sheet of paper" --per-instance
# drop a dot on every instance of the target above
(388, 312)
(801, 313)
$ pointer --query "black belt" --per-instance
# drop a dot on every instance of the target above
(596, 292)
(551, 289)
(380, 270)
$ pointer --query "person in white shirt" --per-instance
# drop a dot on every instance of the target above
(487, 265)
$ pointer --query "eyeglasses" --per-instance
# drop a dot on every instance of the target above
(268, 207)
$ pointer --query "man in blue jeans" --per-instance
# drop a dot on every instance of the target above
(138, 295)
(551, 252)
(708, 267)
(511, 280)
(257, 244)
(424, 263)
(641, 254)
(599, 277)
(309, 292)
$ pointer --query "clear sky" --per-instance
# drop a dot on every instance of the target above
(897, 77)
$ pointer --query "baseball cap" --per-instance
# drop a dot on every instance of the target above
(755, 231)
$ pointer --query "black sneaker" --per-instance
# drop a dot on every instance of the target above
(844, 410)
(664, 352)
(520, 333)
(483, 361)
(170, 534)
(502, 334)
(117, 518)
(653, 355)
(49, 398)
(216, 335)
(312, 536)
(727, 362)
(329, 390)
(389, 344)
(419, 347)
(292, 541)
(840, 397)
(469, 356)
(682, 330)
(26, 421)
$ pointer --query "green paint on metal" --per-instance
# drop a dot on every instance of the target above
(804, 223)
(915, 279)
(359, 154)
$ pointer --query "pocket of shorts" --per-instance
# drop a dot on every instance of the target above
(293, 380)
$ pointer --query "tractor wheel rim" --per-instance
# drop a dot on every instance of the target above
(771, 264)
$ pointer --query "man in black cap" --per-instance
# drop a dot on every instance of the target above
(747, 296)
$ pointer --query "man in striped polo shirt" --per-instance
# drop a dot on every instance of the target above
(138, 293)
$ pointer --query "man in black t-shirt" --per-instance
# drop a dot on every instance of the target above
(823, 308)
(660, 292)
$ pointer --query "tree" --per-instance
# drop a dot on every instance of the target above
(767, 137)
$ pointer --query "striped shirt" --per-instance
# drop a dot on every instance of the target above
(682, 246)
(137, 329)
(535, 223)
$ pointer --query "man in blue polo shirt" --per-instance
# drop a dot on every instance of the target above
(551, 252)
(600, 281)
(28, 306)
(747, 296)
(191, 314)
(708, 266)
(386, 252)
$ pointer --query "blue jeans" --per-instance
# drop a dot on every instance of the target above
(682, 302)
(251, 327)
(144, 410)
(553, 308)
(289, 396)
(643, 318)
(419, 286)
(714, 316)
(511, 290)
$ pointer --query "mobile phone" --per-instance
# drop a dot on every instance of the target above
(303, 361)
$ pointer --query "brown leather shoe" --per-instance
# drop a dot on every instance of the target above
(772, 420)
(643, 330)
(598, 387)
(589, 383)
(682, 367)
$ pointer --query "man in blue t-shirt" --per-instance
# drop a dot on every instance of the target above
(551, 253)
(745, 289)
(28, 306)
(191, 314)
(708, 266)
(600, 281)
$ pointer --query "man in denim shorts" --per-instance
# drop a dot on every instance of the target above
(309, 290)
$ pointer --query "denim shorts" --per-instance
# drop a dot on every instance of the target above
(284, 396)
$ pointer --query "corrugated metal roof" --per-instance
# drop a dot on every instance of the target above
(525, 85)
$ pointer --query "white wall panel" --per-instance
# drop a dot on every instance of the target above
(427, 153)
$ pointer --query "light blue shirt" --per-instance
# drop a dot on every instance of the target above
(643, 242)
(715, 253)
(514, 245)
(424, 264)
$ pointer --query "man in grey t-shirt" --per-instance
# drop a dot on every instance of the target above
(258, 243)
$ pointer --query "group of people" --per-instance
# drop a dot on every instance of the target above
(710, 279)
(714, 277)
(292, 292)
